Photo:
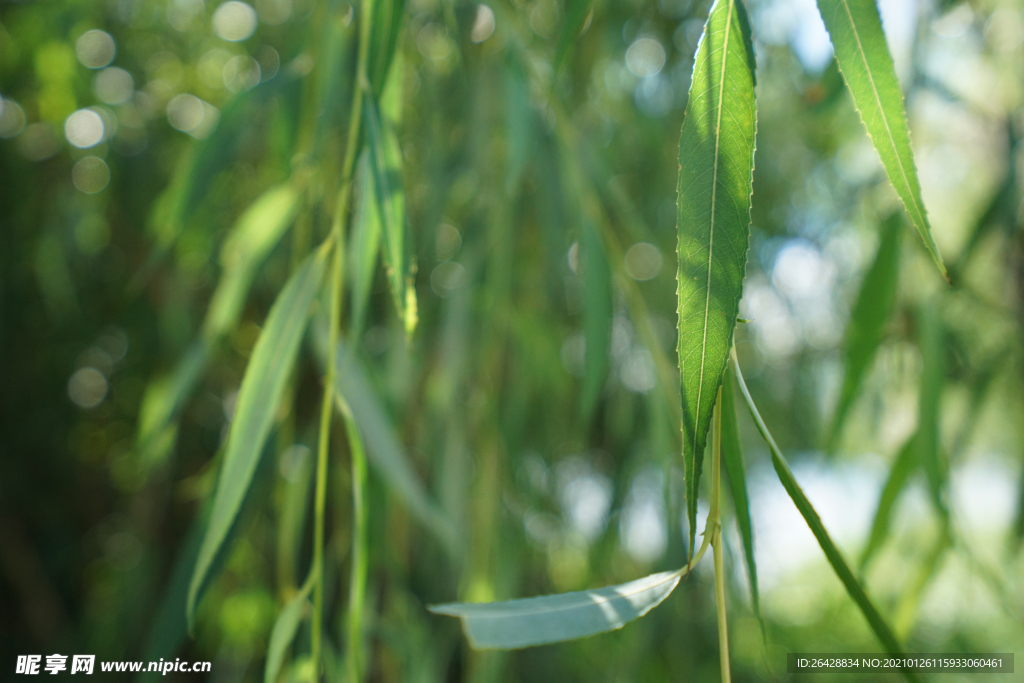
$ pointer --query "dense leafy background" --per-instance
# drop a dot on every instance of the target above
(536, 402)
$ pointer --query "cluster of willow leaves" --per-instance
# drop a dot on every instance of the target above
(340, 319)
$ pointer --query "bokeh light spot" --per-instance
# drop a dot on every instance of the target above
(241, 73)
(95, 49)
(483, 25)
(114, 85)
(87, 387)
(446, 278)
(645, 57)
(274, 12)
(185, 112)
(643, 261)
(234, 21)
(90, 175)
(12, 118)
(84, 128)
(447, 241)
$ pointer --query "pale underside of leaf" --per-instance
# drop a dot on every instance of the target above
(259, 397)
(716, 159)
(514, 624)
(855, 28)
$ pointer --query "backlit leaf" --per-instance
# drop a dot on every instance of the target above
(716, 160)
(263, 385)
(548, 619)
(863, 56)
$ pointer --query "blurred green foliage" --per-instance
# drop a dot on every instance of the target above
(508, 458)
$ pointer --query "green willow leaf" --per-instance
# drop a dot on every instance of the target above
(296, 464)
(246, 247)
(875, 303)
(259, 397)
(899, 474)
(576, 14)
(385, 452)
(732, 456)
(597, 317)
(386, 167)
(863, 56)
(835, 558)
(194, 176)
(283, 633)
(365, 246)
(386, 25)
(252, 238)
(716, 162)
(514, 624)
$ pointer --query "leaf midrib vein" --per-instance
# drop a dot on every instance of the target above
(881, 111)
(711, 232)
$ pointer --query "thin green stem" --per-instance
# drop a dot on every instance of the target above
(716, 539)
(337, 233)
(320, 503)
(357, 580)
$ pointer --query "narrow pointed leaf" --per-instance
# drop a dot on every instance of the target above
(863, 56)
(251, 240)
(899, 474)
(597, 317)
(716, 162)
(246, 247)
(387, 23)
(365, 246)
(835, 558)
(871, 313)
(263, 385)
(576, 13)
(386, 167)
(514, 624)
(385, 453)
(283, 632)
(732, 456)
(195, 174)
